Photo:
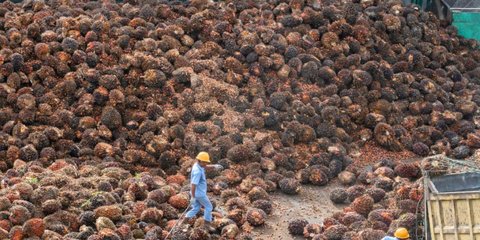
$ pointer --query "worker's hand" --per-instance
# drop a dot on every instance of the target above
(192, 200)
(217, 167)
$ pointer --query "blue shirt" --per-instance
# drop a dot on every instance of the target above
(389, 238)
(198, 178)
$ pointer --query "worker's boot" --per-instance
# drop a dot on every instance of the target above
(208, 226)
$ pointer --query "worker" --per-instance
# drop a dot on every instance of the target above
(400, 234)
(198, 191)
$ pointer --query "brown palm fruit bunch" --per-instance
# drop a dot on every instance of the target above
(237, 215)
(220, 222)
(265, 205)
(318, 177)
(179, 201)
(377, 225)
(311, 229)
(339, 195)
(335, 232)
(169, 212)
(230, 231)
(384, 183)
(377, 194)
(251, 182)
(256, 217)
(240, 153)
(385, 171)
(363, 204)
(199, 233)
(347, 178)
(350, 235)
(420, 149)
(296, 226)
(384, 162)
(461, 152)
(257, 193)
(416, 194)
(158, 195)
(407, 206)
(301, 133)
(359, 226)
(274, 177)
(232, 176)
(385, 137)
(372, 234)
(303, 175)
(151, 215)
(329, 221)
(355, 191)
(236, 203)
(289, 186)
(228, 194)
(178, 179)
(381, 215)
(319, 237)
(408, 220)
(366, 177)
(403, 191)
(351, 217)
(407, 170)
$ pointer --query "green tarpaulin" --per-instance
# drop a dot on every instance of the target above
(468, 24)
(465, 16)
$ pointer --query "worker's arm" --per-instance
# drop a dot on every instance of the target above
(212, 167)
(389, 238)
(192, 188)
(208, 168)
(196, 175)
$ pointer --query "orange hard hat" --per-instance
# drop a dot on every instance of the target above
(401, 233)
(203, 156)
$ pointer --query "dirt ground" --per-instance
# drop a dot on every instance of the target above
(371, 153)
(312, 203)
